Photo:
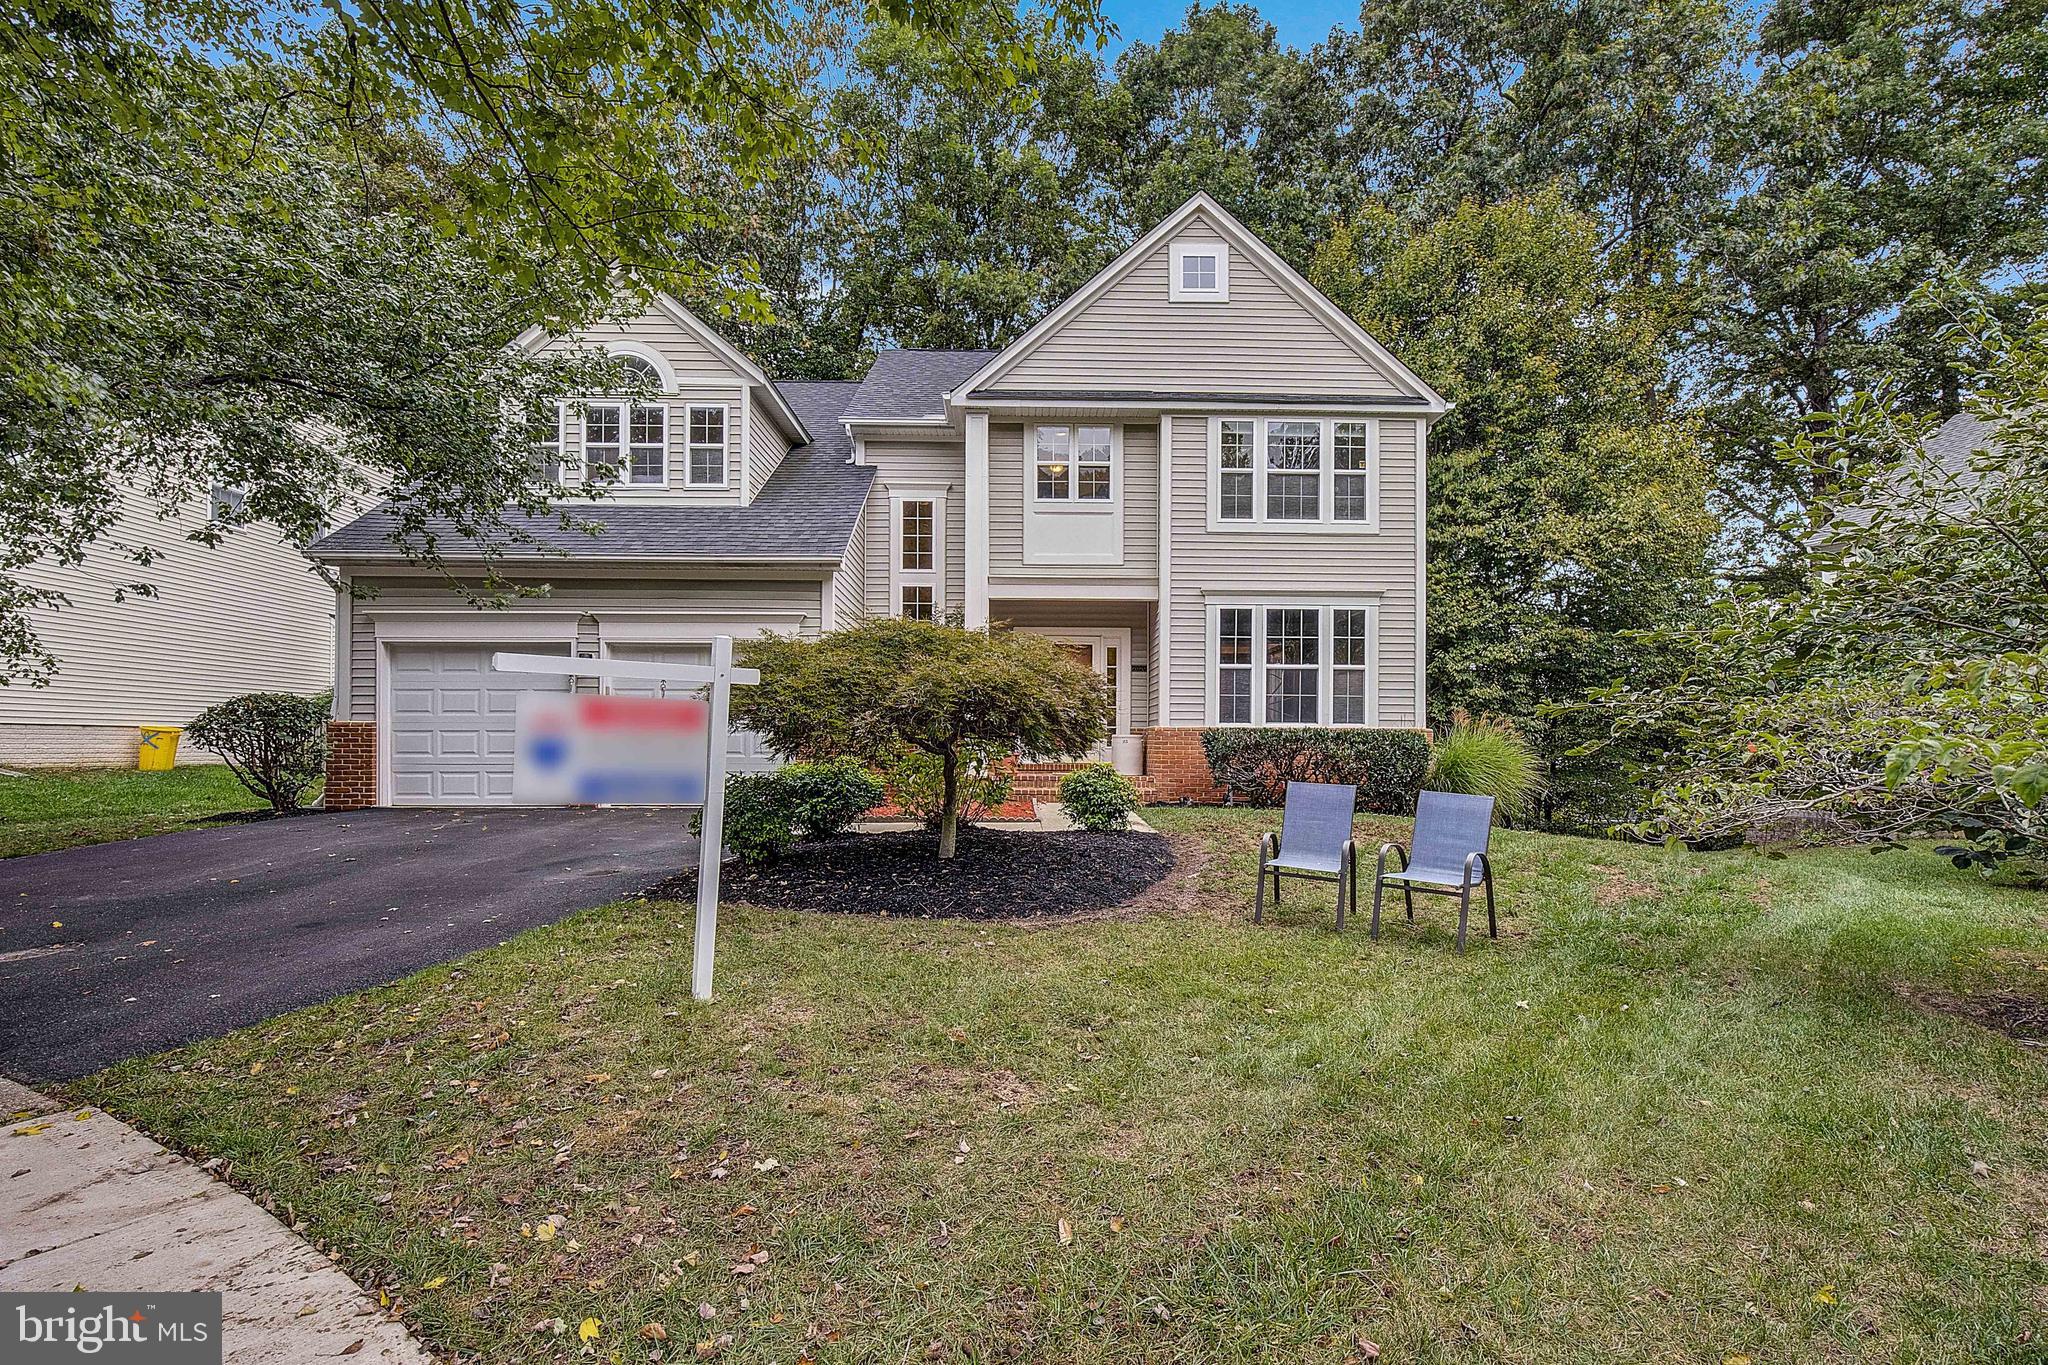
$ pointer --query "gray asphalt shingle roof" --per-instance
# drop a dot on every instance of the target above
(806, 510)
(904, 385)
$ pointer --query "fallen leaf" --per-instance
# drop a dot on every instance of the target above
(352, 1347)
(767, 1164)
(654, 1331)
(1066, 1233)
(436, 1282)
(589, 1330)
(1824, 1294)
(1116, 1224)
(1368, 1348)
(30, 1129)
(706, 1312)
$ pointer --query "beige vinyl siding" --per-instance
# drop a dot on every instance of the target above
(1377, 567)
(1263, 340)
(849, 585)
(628, 597)
(1008, 470)
(766, 446)
(923, 466)
(686, 354)
(249, 615)
(1136, 617)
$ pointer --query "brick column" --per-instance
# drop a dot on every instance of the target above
(351, 765)
(1177, 769)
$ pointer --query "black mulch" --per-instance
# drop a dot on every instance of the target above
(994, 874)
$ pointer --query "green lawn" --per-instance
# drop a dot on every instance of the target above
(1689, 1108)
(64, 807)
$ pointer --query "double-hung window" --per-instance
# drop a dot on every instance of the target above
(1293, 663)
(1075, 465)
(1317, 472)
(604, 426)
(647, 444)
(917, 554)
(704, 458)
(625, 441)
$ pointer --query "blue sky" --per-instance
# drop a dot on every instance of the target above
(1302, 23)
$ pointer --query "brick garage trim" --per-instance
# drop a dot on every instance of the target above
(351, 765)
(1177, 769)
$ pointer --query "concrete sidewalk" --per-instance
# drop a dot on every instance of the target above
(88, 1202)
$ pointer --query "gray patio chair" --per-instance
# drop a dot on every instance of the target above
(1452, 833)
(1314, 843)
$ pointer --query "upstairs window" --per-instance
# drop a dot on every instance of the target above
(1199, 273)
(603, 441)
(1074, 465)
(647, 455)
(704, 463)
(1305, 472)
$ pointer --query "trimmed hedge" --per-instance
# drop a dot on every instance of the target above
(1257, 762)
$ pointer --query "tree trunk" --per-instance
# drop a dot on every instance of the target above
(949, 808)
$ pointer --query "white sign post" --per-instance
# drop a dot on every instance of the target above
(716, 681)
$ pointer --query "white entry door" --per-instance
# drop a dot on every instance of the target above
(1108, 652)
(748, 754)
(452, 722)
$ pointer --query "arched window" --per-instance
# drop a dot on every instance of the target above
(639, 369)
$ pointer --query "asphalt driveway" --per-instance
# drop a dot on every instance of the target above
(125, 948)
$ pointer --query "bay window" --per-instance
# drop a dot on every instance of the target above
(1318, 473)
(1291, 662)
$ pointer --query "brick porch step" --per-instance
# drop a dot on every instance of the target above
(1041, 781)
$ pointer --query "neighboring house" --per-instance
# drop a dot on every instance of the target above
(247, 615)
(1197, 472)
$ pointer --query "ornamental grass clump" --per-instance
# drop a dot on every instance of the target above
(1488, 756)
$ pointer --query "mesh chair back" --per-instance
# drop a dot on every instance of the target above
(1449, 826)
(1317, 820)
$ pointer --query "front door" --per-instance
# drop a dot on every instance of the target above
(1109, 654)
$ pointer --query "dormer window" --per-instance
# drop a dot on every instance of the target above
(1200, 273)
(640, 371)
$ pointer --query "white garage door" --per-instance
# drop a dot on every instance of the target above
(452, 719)
(748, 753)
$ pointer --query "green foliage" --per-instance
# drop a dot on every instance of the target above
(1257, 762)
(1487, 756)
(916, 782)
(1897, 690)
(874, 689)
(760, 816)
(1567, 494)
(274, 742)
(827, 797)
(1099, 798)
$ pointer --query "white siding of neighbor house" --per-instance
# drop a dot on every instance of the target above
(629, 597)
(250, 615)
(1009, 469)
(1262, 340)
(924, 466)
(766, 446)
(1375, 566)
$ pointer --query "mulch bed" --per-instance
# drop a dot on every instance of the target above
(995, 874)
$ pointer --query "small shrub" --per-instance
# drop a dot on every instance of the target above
(1258, 762)
(1488, 757)
(1099, 798)
(275, 743)
(760, 823)
(916, 782)
(828, 796)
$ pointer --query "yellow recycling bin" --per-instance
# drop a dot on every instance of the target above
(159, 748)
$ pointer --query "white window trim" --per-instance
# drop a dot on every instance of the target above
(1180, 250)
(934, 577)
(1327, 523)
(725, 462)
(585, 407)
(1074, 503)
(664, 372)
(1327, 607)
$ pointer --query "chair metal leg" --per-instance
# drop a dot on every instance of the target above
(1409, 893)
(1340, 893)
(1378, 889)
(1492, 928)
(1259, 902)
(1464, 909)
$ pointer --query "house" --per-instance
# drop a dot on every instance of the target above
(1197, 473)
(126, 660)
